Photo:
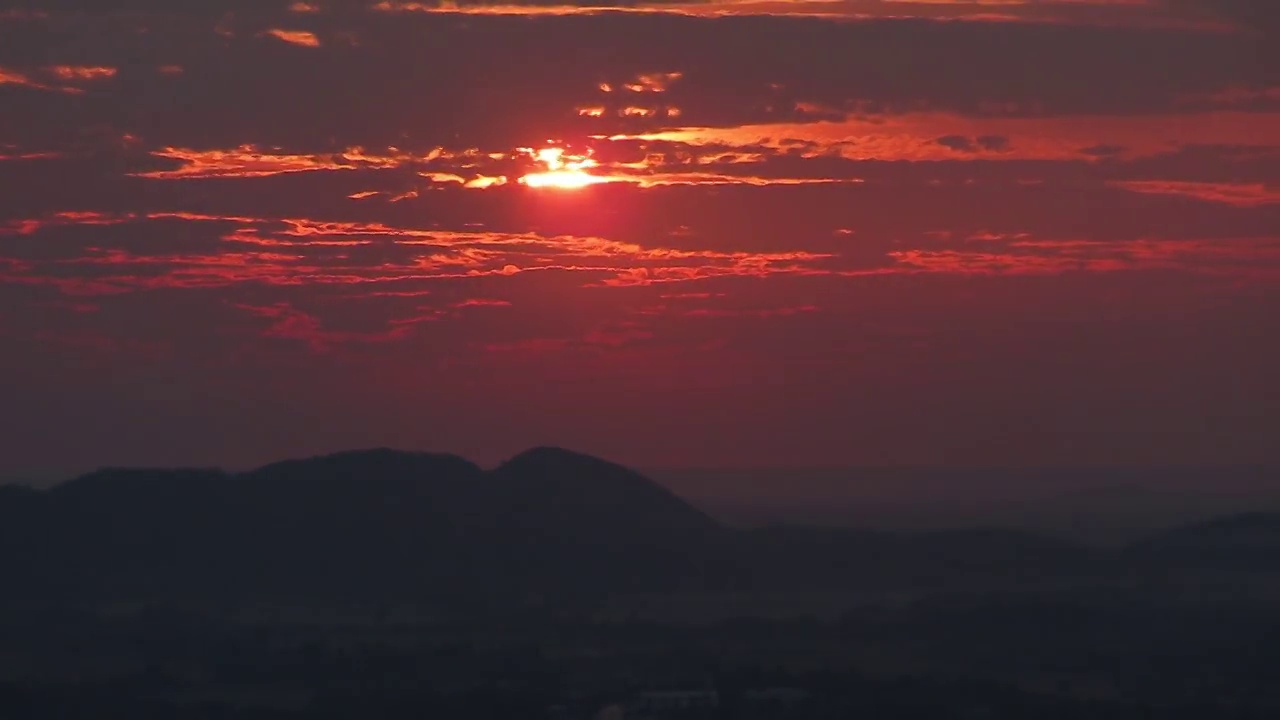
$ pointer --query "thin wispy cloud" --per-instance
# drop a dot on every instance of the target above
(680, 200)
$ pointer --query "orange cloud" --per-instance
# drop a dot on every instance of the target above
(556, 167)
(280, 252)
(30, 226)
(81, 73)
(448, 6)
(31, 156)
(653, 82)
(248, 161)
(1238, 194)
(290, 323)
(9, 76)
(485, 181)
(1248, 257)
(13, 77)
(929, 136)
(301, 38)
(1124, 13)
(468, 254)
(563, 170)
(306, 252)
(481, 302)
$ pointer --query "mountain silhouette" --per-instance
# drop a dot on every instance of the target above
(550, 492)
(1245, 541)
(1244, 529)
(438, 530)
(370, 523)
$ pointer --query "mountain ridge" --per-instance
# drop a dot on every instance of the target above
(438, 529)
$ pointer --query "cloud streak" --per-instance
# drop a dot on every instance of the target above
(840, 231)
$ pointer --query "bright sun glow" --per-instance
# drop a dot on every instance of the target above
(564, 171)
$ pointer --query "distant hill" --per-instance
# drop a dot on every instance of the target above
(556, 493)
(434, 529)
(1242, 541)
(373, 523)
(1096, 505)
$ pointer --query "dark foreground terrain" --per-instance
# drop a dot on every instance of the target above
(381, 584)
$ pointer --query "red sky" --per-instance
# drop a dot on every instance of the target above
(798, 232)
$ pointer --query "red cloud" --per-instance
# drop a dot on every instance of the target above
(81, 73)
(1238, 194)
(301, 38)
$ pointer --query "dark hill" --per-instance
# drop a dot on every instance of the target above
(1244, 541)
(373, 523)
(381, 469)
(1235, 530)
(853, 559)
(554, 493)
(384, 525)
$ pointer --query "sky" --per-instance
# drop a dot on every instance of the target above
(742, 233)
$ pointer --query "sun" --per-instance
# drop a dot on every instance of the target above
(564, 171)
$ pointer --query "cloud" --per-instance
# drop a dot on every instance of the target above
(301, 38)
(914, 136)
(13, 77)
(289, 323)
(833, 69)
(1093, 12)
(481, 303)
(1255, 258)
(247, 161)
(329, 194)
(1254, 15)
(1238, 194)
(300, 252)
(982, 143)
